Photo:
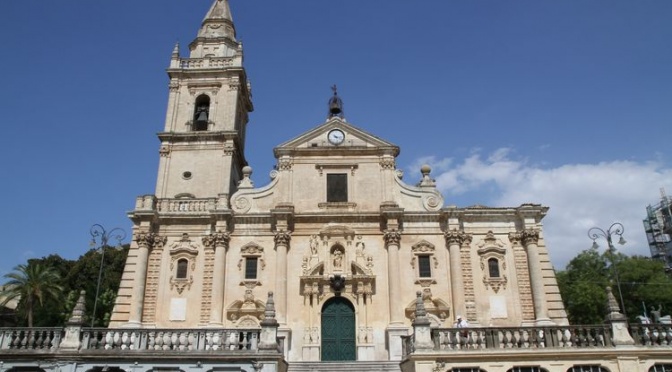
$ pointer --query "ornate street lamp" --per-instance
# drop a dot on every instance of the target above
(615, 229)
(99, 239)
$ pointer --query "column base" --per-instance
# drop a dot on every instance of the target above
(544, 322)
(285, 339)
(133, 324)
(366, 353)
(394, 347)
(311, 353)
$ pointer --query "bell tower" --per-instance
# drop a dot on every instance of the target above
(202, 144)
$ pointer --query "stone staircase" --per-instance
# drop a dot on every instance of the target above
(382, 366)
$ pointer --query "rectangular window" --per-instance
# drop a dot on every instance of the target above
(424, 267)
(337, 188)
(251, 268)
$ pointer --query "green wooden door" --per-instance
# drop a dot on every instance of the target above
(338, 330)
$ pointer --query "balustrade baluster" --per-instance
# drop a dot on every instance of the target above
(166, 341)
(38, 340)
(27, 339)
(152, 340)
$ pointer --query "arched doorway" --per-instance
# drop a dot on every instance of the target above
(338, 330)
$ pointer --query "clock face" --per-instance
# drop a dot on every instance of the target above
(336, 137)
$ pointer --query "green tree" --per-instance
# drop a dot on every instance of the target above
(643, 282)
(83, 275)
(32, 285)
(582, 286)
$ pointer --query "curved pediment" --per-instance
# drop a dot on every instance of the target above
(334, 230)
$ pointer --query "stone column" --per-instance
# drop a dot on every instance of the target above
(530, 238)
(145, 241)
(392, 238)
(282, 239)
(454, 240)
(219, 241)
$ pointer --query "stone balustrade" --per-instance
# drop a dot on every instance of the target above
(197, 63)
(539, 337)
(183, 340)
(186, 205)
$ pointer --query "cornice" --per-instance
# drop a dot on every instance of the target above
(337, 150)
(195, 136)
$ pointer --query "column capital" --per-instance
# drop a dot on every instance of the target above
(217, 240)
(283, 237)
(149, 240)
(529, 236)
(392, 237)
(455, 236)
(516, 237)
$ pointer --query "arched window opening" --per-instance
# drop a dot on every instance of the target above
(527, 369)
(467, 369)
(201, 113)
(182, 266)
(587, 368)
(493, 267)
(659, 367)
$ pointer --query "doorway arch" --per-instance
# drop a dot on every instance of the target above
(338, 330)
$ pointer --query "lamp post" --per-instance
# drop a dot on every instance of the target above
(615, 229)
(99, 238)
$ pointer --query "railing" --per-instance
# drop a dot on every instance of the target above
(30, 338)
(195, 63)
(224, 340)
(186, 205)
(466, 339)
(651, 334)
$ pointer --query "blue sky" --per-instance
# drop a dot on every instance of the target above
(564, 103)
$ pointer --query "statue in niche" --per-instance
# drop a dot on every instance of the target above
(338, 259)
(359, 248)
(313, 245)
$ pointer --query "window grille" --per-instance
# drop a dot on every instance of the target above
(587, 368)
(658, 367)
(527, 369)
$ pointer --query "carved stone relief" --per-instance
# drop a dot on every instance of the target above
(183, 249)
(492, 251)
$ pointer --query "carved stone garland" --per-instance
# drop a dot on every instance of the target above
(424, 248)
(182, 249)
(492, 248)
(251, 250)
(328, 265)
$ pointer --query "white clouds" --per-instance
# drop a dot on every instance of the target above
(580, 196)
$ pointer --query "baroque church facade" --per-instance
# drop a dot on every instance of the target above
(338, 236)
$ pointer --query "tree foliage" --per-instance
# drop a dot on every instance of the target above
(73, 276)
(643, 283)
(33, 285)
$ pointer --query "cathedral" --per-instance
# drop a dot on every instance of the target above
(339, 262)
(338, 235)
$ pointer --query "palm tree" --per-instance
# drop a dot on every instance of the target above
(31, 285)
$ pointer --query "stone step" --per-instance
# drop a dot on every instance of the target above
(382, 366)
